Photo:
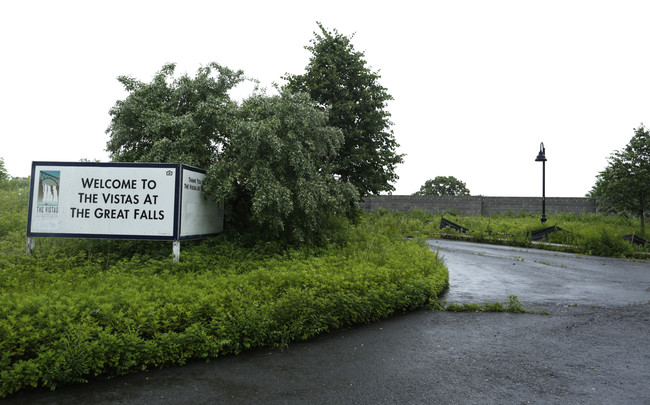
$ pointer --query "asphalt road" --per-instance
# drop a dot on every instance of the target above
(480, 272)
(592, 348)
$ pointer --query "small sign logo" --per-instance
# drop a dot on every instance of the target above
(48, 191)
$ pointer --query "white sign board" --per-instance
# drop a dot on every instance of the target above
(198, 216)
(120, 201)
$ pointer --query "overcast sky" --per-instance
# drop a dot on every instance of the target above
(477, 84)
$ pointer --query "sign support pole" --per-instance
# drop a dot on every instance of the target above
(30, 245)
(176, 248)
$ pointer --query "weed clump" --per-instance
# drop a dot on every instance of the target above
(513, 306)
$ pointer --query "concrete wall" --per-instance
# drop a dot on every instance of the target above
(478, 205)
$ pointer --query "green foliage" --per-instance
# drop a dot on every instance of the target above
(592, 234)
(275, 172)
(14, 197)
(514, 305)
(443, 185)
(286, 166)
(624, 186)
(600, 242)
(337, 77)
(182, 120)
(4, 175)
(271, 160)
(79, 309)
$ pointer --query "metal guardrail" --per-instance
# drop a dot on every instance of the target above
(542, 234)
(446, 223)
(535, 236)
(632, 238)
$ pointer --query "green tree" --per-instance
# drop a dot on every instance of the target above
(443, 185)
(276, 169)
(4, 174)
(269, 159)
(184, 119)
(338, 78)
(624, 186)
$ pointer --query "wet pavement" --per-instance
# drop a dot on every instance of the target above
(480, 272)
(593, 348)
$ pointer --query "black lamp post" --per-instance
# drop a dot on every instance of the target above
(541, 157)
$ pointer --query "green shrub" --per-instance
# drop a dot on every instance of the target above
(79, 308)
(14, 197)
(602, 242)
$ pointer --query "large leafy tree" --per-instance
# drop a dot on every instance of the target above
(269, 159)
(276, 168)
(184, 119)
(338, 78)
(443, 185)
(624, 185)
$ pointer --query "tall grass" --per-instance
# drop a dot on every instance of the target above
(591, 234)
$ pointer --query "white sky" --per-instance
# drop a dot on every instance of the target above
(477, 84)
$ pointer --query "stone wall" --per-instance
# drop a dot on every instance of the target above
(478, 205)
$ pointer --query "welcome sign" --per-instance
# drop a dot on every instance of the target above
(155, 201)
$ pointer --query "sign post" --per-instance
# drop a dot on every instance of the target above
(141, 201)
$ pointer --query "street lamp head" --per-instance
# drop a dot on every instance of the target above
(541, 157)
